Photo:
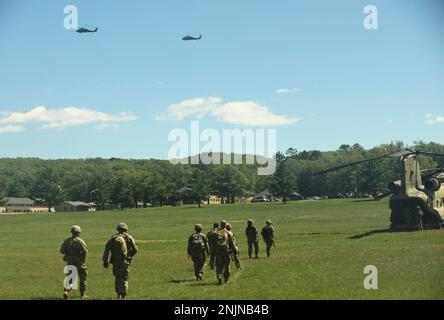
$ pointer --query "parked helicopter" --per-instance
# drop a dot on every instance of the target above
(417, 198)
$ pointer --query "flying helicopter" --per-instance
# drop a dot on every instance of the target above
(417, 198)
(86, 30)
(188, 38)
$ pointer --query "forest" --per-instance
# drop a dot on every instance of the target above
(126, 182)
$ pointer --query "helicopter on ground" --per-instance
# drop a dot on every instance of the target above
(86, 30)
(189, 38)
(417, 198)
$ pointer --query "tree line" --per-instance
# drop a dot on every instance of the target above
(126, 182)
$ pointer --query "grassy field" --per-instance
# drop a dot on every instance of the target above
(322, 249)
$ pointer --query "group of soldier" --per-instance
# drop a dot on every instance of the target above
(122, 247)
(219, 244)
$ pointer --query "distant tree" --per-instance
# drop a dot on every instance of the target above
(280, 156)
(200, 186)
(228, 182)
(291, 153)
(121, 191)
(284, 182)
(49, 188)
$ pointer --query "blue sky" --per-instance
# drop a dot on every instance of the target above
(352, 85)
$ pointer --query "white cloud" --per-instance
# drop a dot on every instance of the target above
(11, 129)
(60, 118)
(198, 107)
(245, 113)
(287, 90)
(431, 119)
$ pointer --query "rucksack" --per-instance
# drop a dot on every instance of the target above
(197, 244)
(221, 241)
(119, 248)
(267, 232)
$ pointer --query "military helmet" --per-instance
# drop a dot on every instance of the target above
(228, 226)
(76, 229)
(268, 222)
(223, 223)
(198, 227)
(250, 221)
(122, 226)
(216, 225)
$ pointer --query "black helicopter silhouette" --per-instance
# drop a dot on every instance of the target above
(190, 38)
(86, 30)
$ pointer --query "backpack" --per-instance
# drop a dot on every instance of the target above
(221, 241)
(197, 244)
(119, 248)
(267, 232)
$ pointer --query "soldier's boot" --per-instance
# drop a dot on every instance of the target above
(219, 280)
(200, 276)
(65, 295)
(83, 295)
(256, 257)
(226, 280)
(123, 296)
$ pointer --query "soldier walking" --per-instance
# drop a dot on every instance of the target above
(74, 252)
(251, 233)
(268, 236)
(123, 248)
(198, 250)
(224, 247)
(210, 238)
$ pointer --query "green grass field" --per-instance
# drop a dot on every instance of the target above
(315, 256)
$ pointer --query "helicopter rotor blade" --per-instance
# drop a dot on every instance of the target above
(400, 154)
(397, 154)
(384, 195)
(430, 153)
(351, 164)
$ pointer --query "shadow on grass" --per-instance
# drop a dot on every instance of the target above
(181, 280)
(46, 298)
(369, 233)
(319, 233)
(199, 284)
(193, 282)
(366, 200)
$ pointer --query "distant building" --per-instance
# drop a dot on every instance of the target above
(75, 206)
(213, 200)
(21, 205)
(245, 199)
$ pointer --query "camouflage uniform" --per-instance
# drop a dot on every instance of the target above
(198, 250)
(74, 250)
(123, 248)
(223, 252)
(210, 237)
(268, 236)
(251, 234)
